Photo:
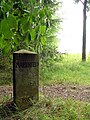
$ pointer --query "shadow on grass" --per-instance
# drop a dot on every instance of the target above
(8, 110)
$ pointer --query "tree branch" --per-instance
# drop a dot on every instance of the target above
(82, 2)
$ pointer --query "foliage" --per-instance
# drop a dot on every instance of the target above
(24, 23)
(48, 55)
(49, 50)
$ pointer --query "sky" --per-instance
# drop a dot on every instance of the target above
(71, 35)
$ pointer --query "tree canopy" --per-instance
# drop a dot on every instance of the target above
(24, 23)
(82, 1)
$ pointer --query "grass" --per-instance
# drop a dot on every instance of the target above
(5, 75)
(48, 109)
(70, 70)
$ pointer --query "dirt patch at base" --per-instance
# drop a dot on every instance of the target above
(76, 92)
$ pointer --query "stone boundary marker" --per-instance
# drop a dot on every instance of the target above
(25, 78)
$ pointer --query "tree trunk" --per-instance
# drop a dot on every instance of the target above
(84, 32)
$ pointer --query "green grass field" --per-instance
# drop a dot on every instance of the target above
(68, 70)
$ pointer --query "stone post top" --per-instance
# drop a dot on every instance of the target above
(23, 51)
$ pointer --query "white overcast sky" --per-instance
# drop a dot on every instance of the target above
(71, 36)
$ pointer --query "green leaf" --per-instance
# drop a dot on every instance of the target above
(27, 39)
(6, 49)
(26, 27)
(33, 34)
(16, 41)
(42, 13)
(42, 29)
(27, 42)
(43, 40)
(5, 29)
(24, 20)
(6, 6)
(2, 42)
(12, 21)
(0, 28)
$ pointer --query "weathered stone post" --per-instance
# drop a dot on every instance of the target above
(25, 78)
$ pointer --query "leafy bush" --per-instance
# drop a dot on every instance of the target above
(23, 24)
(28, 25)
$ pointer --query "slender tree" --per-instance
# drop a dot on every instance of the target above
(84, 32)
(84, 28)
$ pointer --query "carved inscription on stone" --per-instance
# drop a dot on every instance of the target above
(26, 64)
